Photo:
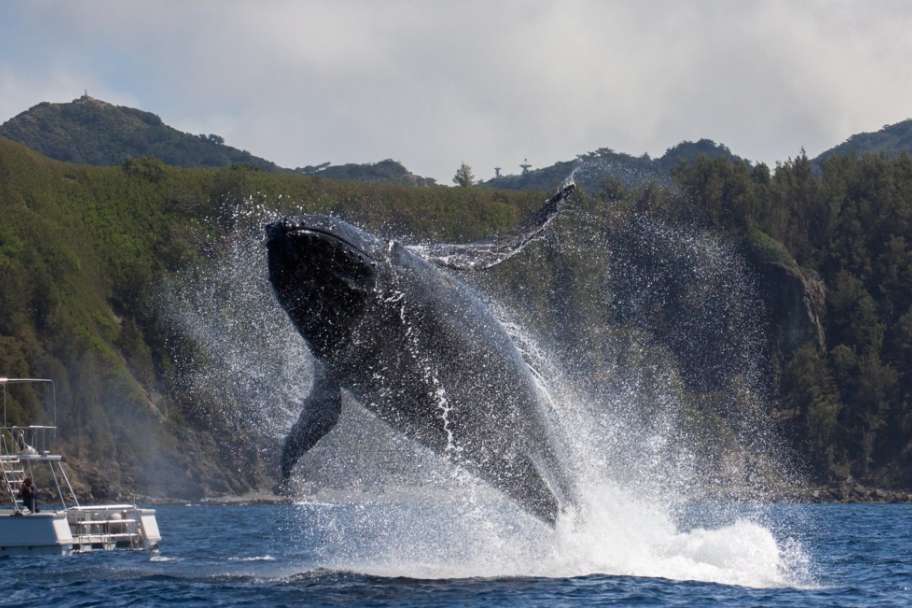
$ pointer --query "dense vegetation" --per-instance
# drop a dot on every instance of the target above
(384, 171)
(846, 396)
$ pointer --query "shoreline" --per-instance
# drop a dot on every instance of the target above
(847, 494)
(812, 495)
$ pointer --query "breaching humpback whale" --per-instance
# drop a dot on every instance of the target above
(418, 349)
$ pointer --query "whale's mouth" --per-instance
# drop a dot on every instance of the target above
(318, 233)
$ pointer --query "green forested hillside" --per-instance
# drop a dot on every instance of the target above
(829, 248)
(84, 251)
(846, 392)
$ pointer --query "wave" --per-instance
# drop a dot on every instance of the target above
(253, 558)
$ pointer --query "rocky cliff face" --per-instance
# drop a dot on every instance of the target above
(798, 300)
(792, 296)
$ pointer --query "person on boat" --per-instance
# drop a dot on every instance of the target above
(27, 495)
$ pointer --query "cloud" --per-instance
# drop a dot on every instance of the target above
(434, 83)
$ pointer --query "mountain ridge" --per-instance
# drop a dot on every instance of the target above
(604, 169)
(891, 140)
(92, 131)
(95, 132)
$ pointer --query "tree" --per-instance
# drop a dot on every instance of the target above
(464, 176)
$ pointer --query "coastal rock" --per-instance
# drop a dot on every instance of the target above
(793, 296)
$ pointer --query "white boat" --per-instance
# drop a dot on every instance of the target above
(66, 527)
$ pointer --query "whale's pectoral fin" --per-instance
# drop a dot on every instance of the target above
(318, 417)
(484, 255)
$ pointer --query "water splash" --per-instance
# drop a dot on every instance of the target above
(614, 532)
(247, 365)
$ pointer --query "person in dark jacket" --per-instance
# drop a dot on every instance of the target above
(27, 495)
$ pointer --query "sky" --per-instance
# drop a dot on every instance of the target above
(436, 83)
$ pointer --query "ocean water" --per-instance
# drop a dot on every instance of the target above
(410, 553)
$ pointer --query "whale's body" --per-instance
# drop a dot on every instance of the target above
(418, 349)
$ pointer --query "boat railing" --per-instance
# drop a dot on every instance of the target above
(98, 526)
(33, 441)
(21, 447)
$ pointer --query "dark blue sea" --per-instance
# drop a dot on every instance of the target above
(320, 554)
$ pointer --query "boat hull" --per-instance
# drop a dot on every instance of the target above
(35, 533)
(78, 530)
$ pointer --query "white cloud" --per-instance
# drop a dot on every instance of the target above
(435, 83)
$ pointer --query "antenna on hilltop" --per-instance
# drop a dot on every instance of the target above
(525, 166)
